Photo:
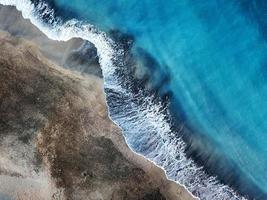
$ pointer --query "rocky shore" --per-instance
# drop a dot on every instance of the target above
(56, 138)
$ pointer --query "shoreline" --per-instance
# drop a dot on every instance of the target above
(145, 163)
(72, 29)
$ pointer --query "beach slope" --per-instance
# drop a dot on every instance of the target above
(56, 138)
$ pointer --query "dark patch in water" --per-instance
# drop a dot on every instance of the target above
(138, 70)
(64, 13)
(125, 40)
(255, 11)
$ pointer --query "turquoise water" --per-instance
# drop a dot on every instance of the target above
(216, 54)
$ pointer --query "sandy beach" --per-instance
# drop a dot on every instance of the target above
(56, 138)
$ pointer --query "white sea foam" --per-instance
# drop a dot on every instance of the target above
(144, 124)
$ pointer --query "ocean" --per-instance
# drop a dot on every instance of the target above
(185, 80)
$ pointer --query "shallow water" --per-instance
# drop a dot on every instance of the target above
(215, 56)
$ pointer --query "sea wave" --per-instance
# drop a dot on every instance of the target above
(145, 121)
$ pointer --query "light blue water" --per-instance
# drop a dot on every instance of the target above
(216, 54)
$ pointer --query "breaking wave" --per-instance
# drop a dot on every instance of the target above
(144, 119)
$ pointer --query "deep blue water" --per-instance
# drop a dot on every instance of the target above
(215, 54)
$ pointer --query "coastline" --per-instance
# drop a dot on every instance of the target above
(182, 170)
(171, 189)
(142, 123)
